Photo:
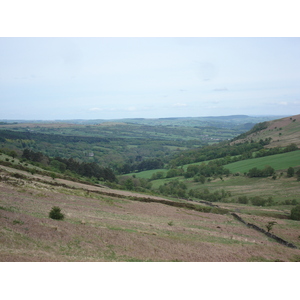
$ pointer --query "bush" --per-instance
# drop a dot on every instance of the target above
(295, 213)
(255, 172)
(56, 214)
(290, 172)
(243, 199)
(258, 201)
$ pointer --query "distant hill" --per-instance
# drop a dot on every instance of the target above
(282, 132)
(243, 122)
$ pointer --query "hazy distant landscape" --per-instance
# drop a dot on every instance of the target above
(172, 189)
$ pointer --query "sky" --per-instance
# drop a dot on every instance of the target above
(60, 59)
(135, 77)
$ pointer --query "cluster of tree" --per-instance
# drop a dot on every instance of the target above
(147, 164)
(207, 170)
(257, 127)
(158, 175)
(62, 164)
(35, 156)
(52, 138)
(220, 150)
(276, 150)
(291, 172)
(198, 172)
(87, 169)
(111, 146)
(256, 200)
(133, 184)
(173, 188)
(227, 153)
(205, 194)
(5, 123)
(267, 171)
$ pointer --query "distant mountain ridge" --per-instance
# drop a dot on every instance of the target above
(156, 121)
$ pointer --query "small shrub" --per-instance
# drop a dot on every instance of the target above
(290, 172)
(56, 214)
(270, 225)
(18, 222)
(270, 201)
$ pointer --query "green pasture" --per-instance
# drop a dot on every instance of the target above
(147, 174)
(278, 162)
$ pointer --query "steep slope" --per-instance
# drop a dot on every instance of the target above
(107, 225)
(282, 132)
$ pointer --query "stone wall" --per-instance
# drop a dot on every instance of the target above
(273, 236)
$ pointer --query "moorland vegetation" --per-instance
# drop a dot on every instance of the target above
(225, 167)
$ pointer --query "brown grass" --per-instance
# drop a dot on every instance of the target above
(106, 228)
(282, 131)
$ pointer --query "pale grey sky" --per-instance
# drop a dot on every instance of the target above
(123, 77)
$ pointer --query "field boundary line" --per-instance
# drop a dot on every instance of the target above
(268, 234)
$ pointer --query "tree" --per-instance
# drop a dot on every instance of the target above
(53, 175)
(13, 154)
(200, 178)
(129, 185)
(254, 172)
(295, 213)
(268, 171)
(56, 214)
(270, 225)
(290, 172)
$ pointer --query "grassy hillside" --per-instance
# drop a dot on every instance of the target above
(281, 131)
(187, 217)
(278, 162)
(107, 225)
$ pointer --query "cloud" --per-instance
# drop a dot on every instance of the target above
(95, 109)
(206, 71)
(131, 108)
(283, 103)
(220, 89)
(179, 105)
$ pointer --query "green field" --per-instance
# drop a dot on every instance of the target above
(146, 174)
(278, 162)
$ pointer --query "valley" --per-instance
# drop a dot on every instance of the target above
(150, 190)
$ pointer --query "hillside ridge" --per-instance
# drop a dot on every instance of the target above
(282, 133)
